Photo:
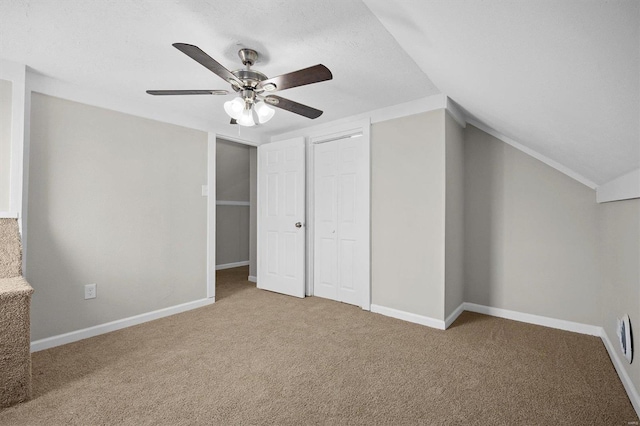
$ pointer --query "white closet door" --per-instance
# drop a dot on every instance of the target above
(341, 218)
(325, 280)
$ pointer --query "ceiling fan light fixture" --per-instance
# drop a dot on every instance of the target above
(246, 118)
(251, 107)
(264, 111)
(234, 108)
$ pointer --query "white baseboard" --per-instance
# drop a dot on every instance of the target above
(408, 316)
(85, 333)
(454, 316)
(232, 265)
(618, 364)
(252, 279)
(576, 327)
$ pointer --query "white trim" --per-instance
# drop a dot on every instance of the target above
(430, 103)
(8, 215)
(455, 112)
(417, 106)
(85, 333)
(576, 327)
(549, 162)
(252, 279)
(632, 392)
(591, 330)
(408, 316)
(25, 172)
(258, 220)
(624, 187)
(17, 140)
(237, 139)
(16, 74)
(232, 203)
(232, 265)
(151, 108)
(211, 215)
(310, 217)
(366, 133)
(454, 316)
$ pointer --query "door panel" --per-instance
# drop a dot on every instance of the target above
(347, 220)
(281, 205)
(325, 221)
(339, 220)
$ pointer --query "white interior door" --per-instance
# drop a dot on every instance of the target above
(281, 216)
(341, 218)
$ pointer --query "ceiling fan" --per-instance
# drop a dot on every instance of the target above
(252, 105)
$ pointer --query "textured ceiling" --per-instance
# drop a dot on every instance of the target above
(124, 47)
(560, 77)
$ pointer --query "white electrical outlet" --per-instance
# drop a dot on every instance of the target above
(90, 291)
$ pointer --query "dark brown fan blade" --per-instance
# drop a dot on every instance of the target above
(292, 106)
(233, 121)
(314, 74)
(195, 53)
(187, 92)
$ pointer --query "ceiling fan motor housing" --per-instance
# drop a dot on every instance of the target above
(249, 78)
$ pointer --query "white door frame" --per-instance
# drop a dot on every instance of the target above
(16, 74)
(329, 134)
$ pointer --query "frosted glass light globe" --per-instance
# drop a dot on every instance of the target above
(234, 107)
(246, 119)
(265, 112)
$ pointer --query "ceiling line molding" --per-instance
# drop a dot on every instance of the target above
(456, 113)
(54, 87)
(417, 106)
(548, 161)
(624, 187)
(430, 103)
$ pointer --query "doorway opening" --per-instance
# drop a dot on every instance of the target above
(235, 217)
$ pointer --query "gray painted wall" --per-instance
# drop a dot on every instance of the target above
(232, 184)
(5, 145)
(232, 171)
(113, 200)
(620, 255)
(232, 234)
(531, 240)
(408, 214)
(454, 221)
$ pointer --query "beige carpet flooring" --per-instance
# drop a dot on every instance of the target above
(256, 357)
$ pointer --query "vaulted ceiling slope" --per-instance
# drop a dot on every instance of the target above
(124, 48)
(560, 77)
